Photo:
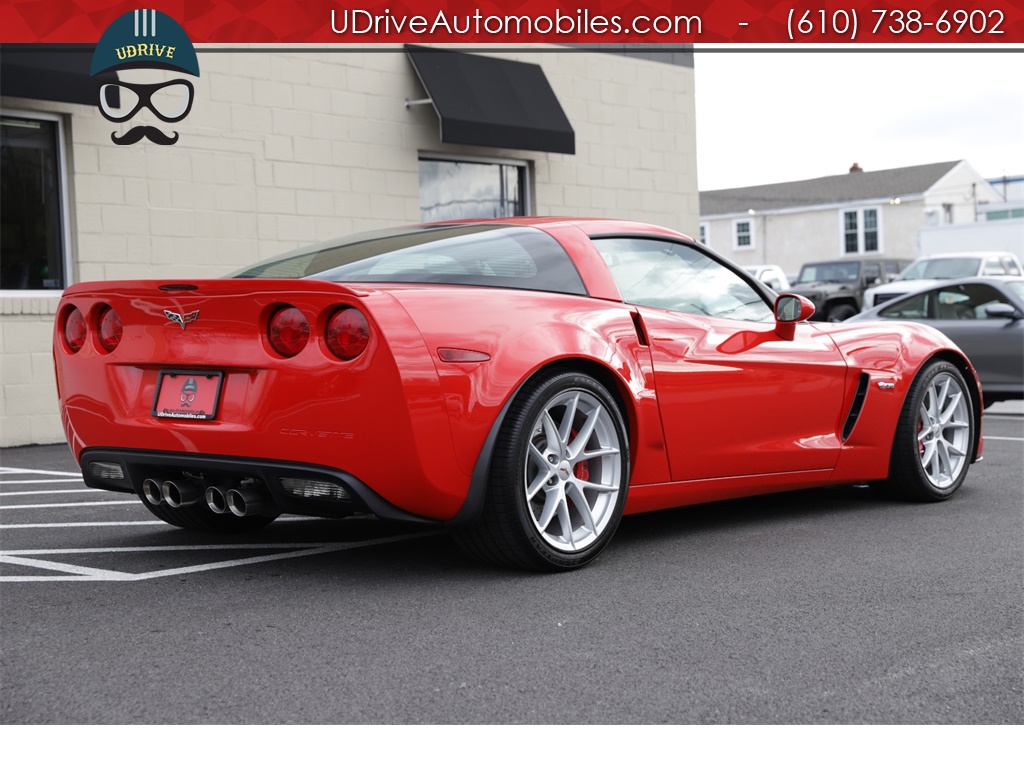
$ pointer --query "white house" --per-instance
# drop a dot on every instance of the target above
(999, 225)
(877, 213)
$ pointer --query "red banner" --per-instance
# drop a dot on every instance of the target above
(553, 22)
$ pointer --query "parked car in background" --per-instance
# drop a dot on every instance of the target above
(771, 275)
(983, 316)
(837, 287)
(929, 270)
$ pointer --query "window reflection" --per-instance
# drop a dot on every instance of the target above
(452, 189)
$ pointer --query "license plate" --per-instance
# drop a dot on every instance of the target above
(192, 395)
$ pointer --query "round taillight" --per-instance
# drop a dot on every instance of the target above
(110, 329)
(348, 333)
(75, 329)
(288, 331)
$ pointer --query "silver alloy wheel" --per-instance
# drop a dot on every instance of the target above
(573, 470)
(944, 430)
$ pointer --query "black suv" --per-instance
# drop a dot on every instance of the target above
(837, 287)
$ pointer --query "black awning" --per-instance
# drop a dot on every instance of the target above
(491, 102)
(51, 73)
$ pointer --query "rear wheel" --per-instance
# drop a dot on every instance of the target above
(199, 517)
(558, 479)
(934, 437)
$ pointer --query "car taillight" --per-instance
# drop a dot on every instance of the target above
(110, 329)
(348, 333)
(288, 331)
(75, 330)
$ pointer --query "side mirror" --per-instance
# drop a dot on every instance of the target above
(1002, 311)
(791, 309)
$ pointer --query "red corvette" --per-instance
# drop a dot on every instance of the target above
(524, 382)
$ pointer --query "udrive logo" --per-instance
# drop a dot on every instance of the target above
(142, 47)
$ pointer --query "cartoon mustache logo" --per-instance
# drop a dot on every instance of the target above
(140, 132)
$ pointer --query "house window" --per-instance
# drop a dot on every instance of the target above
(861, 232)
(704, 227)
(463, 189)
(744, 231)
(33, 232)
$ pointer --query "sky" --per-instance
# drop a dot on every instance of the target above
(766, 117)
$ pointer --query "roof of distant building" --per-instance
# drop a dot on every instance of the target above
(855, 185)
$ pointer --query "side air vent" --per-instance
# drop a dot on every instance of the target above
(640, 333)
(855, 408)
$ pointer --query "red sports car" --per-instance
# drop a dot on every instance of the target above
(523, 382)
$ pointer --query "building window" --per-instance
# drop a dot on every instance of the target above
(744, 231)
(704, 233)
(861, 233)
(33, 233)
(464, 189)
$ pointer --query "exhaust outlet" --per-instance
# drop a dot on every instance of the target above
(246, 501)
(180, 494)
(216, 499)
(151, 490)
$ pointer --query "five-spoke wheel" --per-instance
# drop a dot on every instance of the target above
(935, 435)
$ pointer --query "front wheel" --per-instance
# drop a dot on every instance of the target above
(558, 478)
(934, 436)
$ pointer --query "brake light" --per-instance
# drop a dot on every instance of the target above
(110, 329)
(348, 333)
(75, 329)
(288, 331)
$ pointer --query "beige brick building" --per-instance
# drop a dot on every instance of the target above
(290, 146)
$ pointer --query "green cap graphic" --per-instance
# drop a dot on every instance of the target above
(145, 38)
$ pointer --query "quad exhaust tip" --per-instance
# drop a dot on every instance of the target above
(244, 501)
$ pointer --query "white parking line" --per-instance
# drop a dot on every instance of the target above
(22, 471)
(99, 523)
(48, 480)
(1011, 439)
(111, 503)
(54, 491)
(84, 573)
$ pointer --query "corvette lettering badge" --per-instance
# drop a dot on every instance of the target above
(181, 320)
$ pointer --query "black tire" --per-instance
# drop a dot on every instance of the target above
(840, 312)
(199, 517)
(569, 518)
(935, 435)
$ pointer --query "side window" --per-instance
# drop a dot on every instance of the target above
(1010, 266)
(872, 272)
(670, 275)
(913, 308)
(965, 302)
(892, 270)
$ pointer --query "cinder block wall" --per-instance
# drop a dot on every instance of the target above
(288, 148)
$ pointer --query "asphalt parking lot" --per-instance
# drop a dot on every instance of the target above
(829, 606)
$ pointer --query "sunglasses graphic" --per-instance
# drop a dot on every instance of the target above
(120, 102)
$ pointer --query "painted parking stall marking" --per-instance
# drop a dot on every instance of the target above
(26, 490)
(72, 572)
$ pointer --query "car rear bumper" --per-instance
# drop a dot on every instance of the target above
(296, 488)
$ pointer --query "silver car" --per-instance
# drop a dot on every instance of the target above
(982, 316)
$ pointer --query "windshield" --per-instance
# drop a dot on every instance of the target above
(830, 272)
(484, 255)
(942, 269)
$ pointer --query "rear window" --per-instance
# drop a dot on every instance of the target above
(482, 255)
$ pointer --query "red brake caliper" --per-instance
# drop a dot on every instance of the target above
(582, 469)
